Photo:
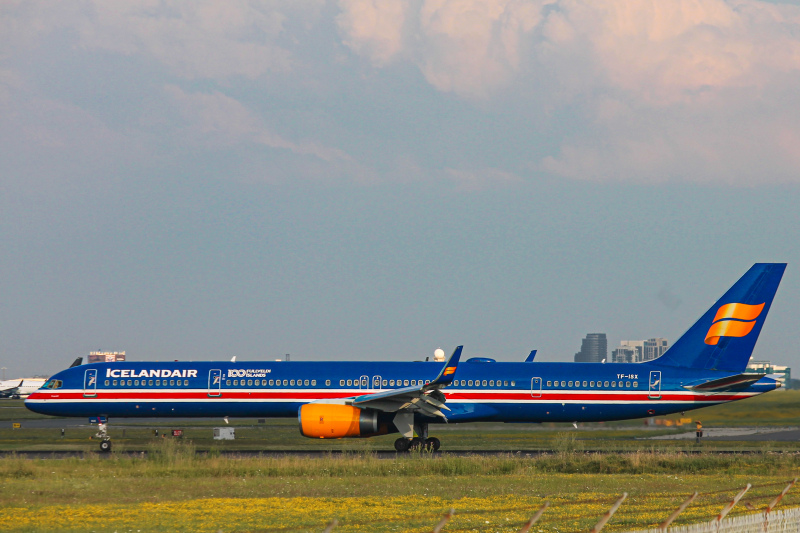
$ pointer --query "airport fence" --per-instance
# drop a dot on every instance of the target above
(786, 521)
(765, 520)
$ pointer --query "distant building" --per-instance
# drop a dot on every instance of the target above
(624, 354)
(594, 349)
(639, 351)
(106, 357)
(784, 373)
(633, 350)
(654, 348)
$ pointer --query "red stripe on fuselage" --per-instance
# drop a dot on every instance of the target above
(306, 395)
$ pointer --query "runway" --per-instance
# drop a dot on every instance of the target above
(748, 434)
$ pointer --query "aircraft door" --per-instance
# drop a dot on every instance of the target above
(215, 383)
(536, 387)
(364, 382)
(655, 385)
(376, 382)
(90, 383)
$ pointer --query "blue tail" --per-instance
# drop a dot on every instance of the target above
(724, 337)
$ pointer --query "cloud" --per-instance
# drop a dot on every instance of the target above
(606, 90)
(203, 39)
(701, 90)
(221, 120)
(463, 46)
(373, 28)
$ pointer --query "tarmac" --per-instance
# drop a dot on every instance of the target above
(738, 434)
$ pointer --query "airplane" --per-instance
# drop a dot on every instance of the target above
(20, 388)
(354, 399)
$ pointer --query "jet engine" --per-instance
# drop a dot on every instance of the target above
(334, 421)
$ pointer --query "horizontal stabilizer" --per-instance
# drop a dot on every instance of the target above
(739, 381)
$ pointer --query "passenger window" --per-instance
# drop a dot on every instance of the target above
(505, 383)
(313, 382)
(291, 383)
(385, 382)
(413, 381)
(620, 384)
(613, 383)
(341, 383)
(235, 382)
(227, 382)
(470, 383)
(185, 382)
(285, 382)
(484, 383)
(249, 382)
(305, 382)
(271, 382)
(115, 382)
(150, 383)
(136, 382)
(491, 383)
(106, 383)
(605, 384)
(349, 382)
(569, 384)
(627, 384)
(549, 383)
(563, 384)
(635, 384)
(513, 383)
(172, 383)
(405, 382)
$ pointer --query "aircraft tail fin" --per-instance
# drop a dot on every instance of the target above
(724, 337)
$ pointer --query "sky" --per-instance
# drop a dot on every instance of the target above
(375, 179)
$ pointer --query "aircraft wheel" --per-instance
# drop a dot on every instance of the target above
(105, 446)
(417, 443)
(433, 444)
(402, 444)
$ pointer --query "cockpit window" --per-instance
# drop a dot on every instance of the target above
(53, 384)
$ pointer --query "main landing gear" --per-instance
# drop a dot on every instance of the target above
(431, 444)
(414, 434)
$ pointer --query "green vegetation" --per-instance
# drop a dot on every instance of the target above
(173, 488)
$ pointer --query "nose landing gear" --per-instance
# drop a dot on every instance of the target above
(102, 434)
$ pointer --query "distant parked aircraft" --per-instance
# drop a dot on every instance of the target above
(20, 388)
(335, 399)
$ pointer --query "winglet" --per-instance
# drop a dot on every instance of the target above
(77, 362)
(445, 377)
(529, 359)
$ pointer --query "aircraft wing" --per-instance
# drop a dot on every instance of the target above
(427, 399)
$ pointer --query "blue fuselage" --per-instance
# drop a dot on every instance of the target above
(503, 392)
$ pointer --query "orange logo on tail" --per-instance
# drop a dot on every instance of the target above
(449, 370)
(729, 321)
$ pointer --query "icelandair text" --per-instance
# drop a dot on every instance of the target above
(145, 373)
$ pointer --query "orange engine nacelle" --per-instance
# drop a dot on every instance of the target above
(334, 421)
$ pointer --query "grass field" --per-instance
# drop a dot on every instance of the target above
(171, 488)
